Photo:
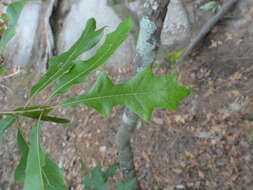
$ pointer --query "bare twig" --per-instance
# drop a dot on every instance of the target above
(206, 28)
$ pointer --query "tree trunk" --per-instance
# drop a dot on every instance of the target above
(146, 51)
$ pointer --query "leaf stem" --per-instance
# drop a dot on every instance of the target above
(28, 111)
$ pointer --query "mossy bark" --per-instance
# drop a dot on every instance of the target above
(146, 51)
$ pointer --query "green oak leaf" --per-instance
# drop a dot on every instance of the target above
(5, 124)
(96, 180)
(82, 69)
(13, 13)
(54, 119)
(23, 147)
(40, 113)
(53, 177)
(172, 58)
(127, 186)
(2, 70)
(209, 6)
(60, 65)
(111, 170)
(41, 173)
(141, 94)
(35, 162)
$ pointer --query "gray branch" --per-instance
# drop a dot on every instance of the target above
(146, 51)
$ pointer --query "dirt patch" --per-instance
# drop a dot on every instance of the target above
(205, 145)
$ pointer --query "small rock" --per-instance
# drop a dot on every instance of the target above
(197, 184)
(139, 124)
(18, 50)
(176, 28)
(74, 24)
(190, 185)
(204, 135)
(103, 149)
(169, 188)
(180, 186)
(158, 121)
(137, 7)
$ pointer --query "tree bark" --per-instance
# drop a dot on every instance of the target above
(146, 51)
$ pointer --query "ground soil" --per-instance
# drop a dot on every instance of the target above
(207, 144)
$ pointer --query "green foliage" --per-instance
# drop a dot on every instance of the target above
(13, 13)
(35, 169)
(172, 58)
(97, 179)
(2, 70)
(210, 6)
(5, 124)
(111, 170)
(40, 112)
(53, 177)
(23, 147)
(141, 94)
(35, 162)
(59, 65)
(82, 69)
(127, 186)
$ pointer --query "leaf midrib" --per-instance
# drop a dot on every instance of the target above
(47, 181)
(38, 154)
(77, 76)
(8, 123)
(67, 61)
(90, 68)
(111, 96)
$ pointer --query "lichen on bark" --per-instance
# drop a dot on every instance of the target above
(146, 52)
(145, 48)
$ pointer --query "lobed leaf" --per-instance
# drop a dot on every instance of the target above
(111, 170)
(5, 124)
(141, 94)
(96, 179)
(52, 176)
(82, 69)
(23, 147)
(40, 172)
(35, 162)
(13, 14)
(60, 65)
(127, 186)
